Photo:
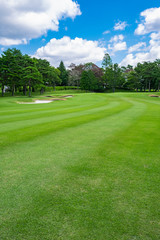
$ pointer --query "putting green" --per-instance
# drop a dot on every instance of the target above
(84, 168)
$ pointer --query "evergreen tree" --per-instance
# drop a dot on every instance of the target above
(63, 74)
(31, 76)
(12, 68)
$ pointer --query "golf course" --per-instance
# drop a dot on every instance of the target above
(83, 167)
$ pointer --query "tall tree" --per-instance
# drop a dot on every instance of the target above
(133, 81)
(89, 81)
(32, 77)
(12, 67)
(75, 72)
(157, 82)
(107, 61)
(3, 76)
(53, 77)
(107, 69)
(63, 74)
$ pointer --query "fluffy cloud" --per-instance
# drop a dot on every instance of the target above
(27, 19)
(8, 42)
(117, 44)
(106, 32)
(150, 22)
(120, 26)
(152, 54)
(137, 47)
(118, 47)
(76, 51)
(117, 38)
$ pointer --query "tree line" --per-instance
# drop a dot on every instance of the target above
(22, 73)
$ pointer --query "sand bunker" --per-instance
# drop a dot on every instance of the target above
(36, 102)
(67, 96)
(154, 95)
(41, 101)
(62, 98)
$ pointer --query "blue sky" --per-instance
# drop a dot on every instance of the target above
(82, 31)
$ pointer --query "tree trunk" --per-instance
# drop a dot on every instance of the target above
(2, 90)
(24, 90)
(29, 88)
(42, 90)
(149, 85)
(158, 86)
(13, 89)
(145, 86)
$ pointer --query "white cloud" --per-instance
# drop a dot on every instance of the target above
(155, 36)
(137, 47)
(76, 51)
(120, 25)
(9, 42)
(117, 38)
(152, 54)
(118, 47)
(117, 44)
(106, 32)
(150, 22)
(22, 20)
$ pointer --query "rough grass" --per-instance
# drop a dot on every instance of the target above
(84, 168)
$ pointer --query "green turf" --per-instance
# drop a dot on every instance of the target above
(85, 168)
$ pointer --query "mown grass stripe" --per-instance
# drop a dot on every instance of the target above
(98, 179)
(27, 132)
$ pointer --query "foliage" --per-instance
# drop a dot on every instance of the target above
(75, 72)
(63, 74)
(19, 71)
(16, 70)
(89, 81)
(113, 76)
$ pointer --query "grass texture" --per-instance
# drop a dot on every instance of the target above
(87, 168)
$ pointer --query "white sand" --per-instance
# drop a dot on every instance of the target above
(38, 101)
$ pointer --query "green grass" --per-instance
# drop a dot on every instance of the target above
(87, 168)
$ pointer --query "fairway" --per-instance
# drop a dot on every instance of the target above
(87, 168)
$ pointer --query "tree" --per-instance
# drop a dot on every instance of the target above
(89, 81)
(107, 69)
(50, 74)
(146, 74)
(157, 82)
(31, 75)
(53, 77)
(63, 74)
(75, 73)
(43, 67)
(133, 80)
(3, 76)
(12, 67)
(107, 61)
